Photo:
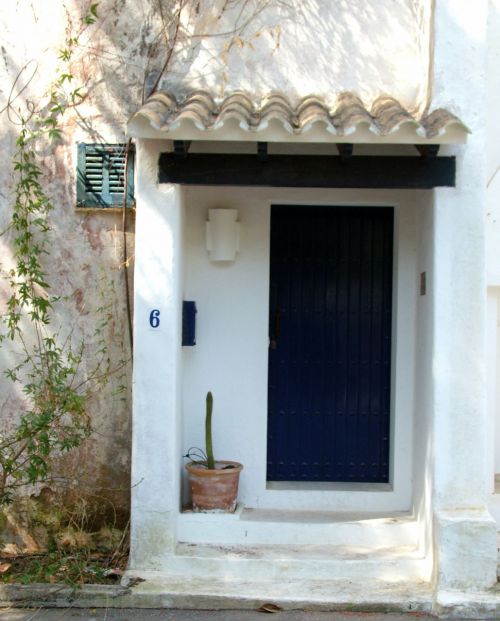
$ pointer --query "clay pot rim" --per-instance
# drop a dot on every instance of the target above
(201, 471)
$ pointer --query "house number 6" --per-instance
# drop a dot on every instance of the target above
(154, 318)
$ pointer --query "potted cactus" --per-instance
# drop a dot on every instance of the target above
(214, 484)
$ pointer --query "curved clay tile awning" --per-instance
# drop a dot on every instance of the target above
(237, 117)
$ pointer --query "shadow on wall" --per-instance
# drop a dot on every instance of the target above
(312, 47)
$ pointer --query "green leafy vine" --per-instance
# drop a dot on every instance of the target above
(49, 368)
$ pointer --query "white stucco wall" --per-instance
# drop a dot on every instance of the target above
(493, 386)
(307, 47)
(423, 437)
(230, 357)
(459, 263)
(493, 232)
(464, 531)
(493, 145)
(157, 363)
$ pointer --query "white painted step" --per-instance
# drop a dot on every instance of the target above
(208, 593)
(300, 562)
(272, 526)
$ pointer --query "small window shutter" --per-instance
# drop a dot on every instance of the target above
(101, 175)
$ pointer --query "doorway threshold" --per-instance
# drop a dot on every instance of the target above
(325, 486)
(322, 517)
(259, 526)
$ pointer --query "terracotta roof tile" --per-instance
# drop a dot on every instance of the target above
(384, 117)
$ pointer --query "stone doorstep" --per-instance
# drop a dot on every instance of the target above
(203, 594)
(308, 563)
(199, 595)
(249, 526)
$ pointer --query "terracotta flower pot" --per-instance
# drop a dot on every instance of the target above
(214, 490)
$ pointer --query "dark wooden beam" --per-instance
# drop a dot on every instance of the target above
(262, 153)
(308, 171)
(429, 151)
(345, 150)
(181, 148)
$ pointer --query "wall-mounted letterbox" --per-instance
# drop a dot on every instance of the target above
(189, 323)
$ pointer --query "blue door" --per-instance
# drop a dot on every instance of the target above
(330, 343)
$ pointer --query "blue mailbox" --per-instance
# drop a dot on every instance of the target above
(189, 323)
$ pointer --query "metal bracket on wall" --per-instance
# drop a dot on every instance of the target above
(181, 148)
(345, 150)
(262, 153)
(428, 151)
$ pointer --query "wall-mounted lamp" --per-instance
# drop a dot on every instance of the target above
(223, 234)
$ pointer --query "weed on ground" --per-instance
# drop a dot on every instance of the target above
(79, 567)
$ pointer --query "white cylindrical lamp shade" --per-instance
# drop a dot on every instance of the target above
(223, 234)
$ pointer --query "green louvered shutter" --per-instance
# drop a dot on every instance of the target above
(101, 175)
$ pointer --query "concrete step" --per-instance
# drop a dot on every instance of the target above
(271, 526)
(212, 593)
(299, 562)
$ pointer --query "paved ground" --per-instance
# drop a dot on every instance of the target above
(101, 614)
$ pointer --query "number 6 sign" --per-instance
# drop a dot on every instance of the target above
(154, 318)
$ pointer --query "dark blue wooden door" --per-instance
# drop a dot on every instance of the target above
(330, 343)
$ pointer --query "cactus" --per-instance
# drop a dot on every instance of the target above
(208, 432)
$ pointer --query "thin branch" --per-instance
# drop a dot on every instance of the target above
(170, 51)
(493, 176)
